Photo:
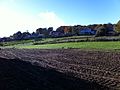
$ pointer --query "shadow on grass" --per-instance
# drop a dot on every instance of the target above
(21, 75)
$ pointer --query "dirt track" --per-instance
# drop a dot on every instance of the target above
(70, 65)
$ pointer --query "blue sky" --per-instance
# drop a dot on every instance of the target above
(22, 15)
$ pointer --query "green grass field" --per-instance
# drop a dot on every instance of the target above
(65, 42)
(81, 45)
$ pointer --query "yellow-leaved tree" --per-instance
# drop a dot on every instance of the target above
(117, 27)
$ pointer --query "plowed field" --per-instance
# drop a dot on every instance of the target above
(59, 69)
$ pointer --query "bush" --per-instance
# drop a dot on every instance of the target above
(1, 44)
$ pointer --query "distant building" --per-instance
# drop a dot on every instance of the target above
(87, 31)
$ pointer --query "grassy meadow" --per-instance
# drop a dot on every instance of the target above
(79, 42)
(81, 45)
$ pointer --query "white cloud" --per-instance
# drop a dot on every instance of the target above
(50, 19)
(12, 21)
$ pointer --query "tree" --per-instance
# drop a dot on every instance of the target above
(17, 36)
(26, 35)
(101, 31)
(117, 27)
(76, 30)
(42, 31)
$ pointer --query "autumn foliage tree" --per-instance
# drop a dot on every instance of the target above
(117, 27)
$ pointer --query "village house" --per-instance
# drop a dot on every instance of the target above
(87, 31)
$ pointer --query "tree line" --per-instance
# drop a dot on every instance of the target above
(62, 31)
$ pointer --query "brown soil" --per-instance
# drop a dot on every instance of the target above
(57, 69)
